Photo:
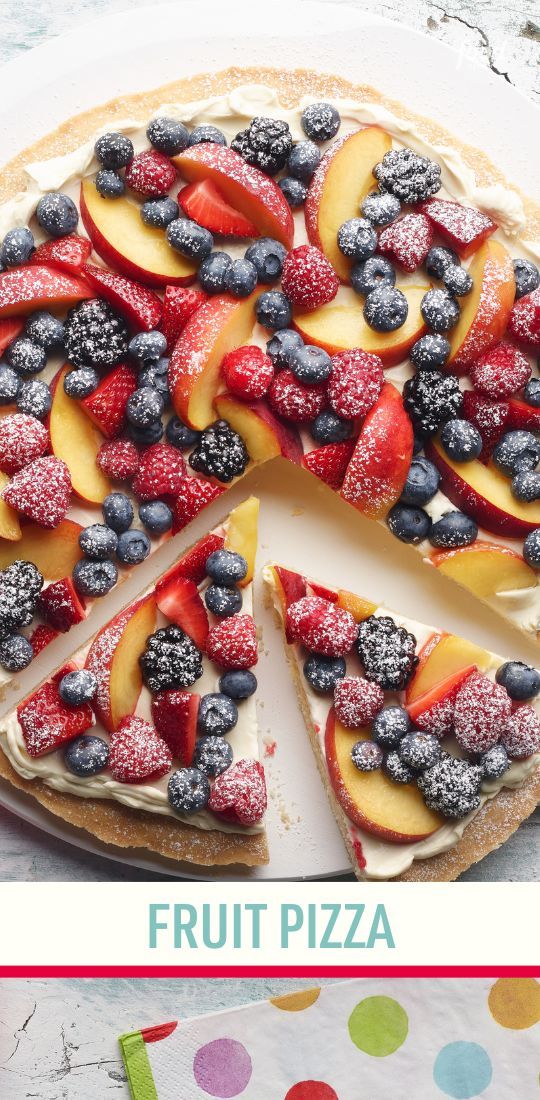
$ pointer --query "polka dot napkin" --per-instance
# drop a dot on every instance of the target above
(421, 1038)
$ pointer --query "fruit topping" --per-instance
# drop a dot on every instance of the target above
(451, 786)
(194, 495)
(22, 439)
(422, 482)
(356, 382)
(371, 274)
(266, 144)
(232, 643)
(407, 241)
(60, 605)
(357, 239)
(86, 756)
(389, 726)
(95, 335)
(47, 722)
(367, 756)
(188, 791)
(161, 472)
(179, 304)
(239, 795)
(419, 750)
(521, 681)
(481, 712)
(328, 427)
(387, 652)
(139, 305)
(179, 600)
(77, 687)
(324, 673)
(439, 310)
(204, 204)
(267, 257)
(524, 322)
(41, 637)
(238, 683)
(150, 174)
(218, 714)
(220, 453)
(41, 491)
(174, 714)
(453, 530)
(25, 289)
(500, 372)
(114, 150)
(321, 626)
(57, 214)
(464, 227)
(357, 701)
(521, 735)
(461, 440)
(118, 459)
(273, 310)
(432, 398)
(213, 755)
(248, 372)
(396, 769)
(494, 762)
(527, 276)
(386, 309)
(170, 660)
(408, 176)
(408, 524)
(378, 468)
(330, 463)
(309, 280)
(320, 121)
(293, 400)
(136, 753)
(295, 192)
(489, 417)
(66, 253)
(109, 184)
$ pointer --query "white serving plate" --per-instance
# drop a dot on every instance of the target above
(302, 524)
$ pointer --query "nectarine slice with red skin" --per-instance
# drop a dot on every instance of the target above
(485, 568)
(441, 657)
(75, 440)
(379, 466)
(424, 654)
(264, 435)
(242, 535)
(439, 691)
(339, 185)
(53, 552)
(25, 289)
(10, 527)
(486, 310)
(242, 185)
(113, 657)
(464, 228)
(522, 415)
(290, 587)
(340, 325)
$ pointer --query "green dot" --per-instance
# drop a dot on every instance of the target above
(378, 1026)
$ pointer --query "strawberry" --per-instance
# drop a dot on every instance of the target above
(322, 591)
(239, 794)
(161, 472)
(47, 722)
(10, 328)
(481, 713)
(204, 203)
(308, 278)
(321, 626)
(192, 564)
(289, 398)
(357, 701)
(500, 372)
(521, 735)
(22, 439)
(194, 494)
(407, 241)
(524, 323)
(179, 304)
(329, 463)
(463, 227)
(118, 459)
(433, 711)
(41, 637)
(41, 491)
(60, 605)
(248, 372)
(139, 305)
(150, 174)
(174, 714)
(232, 643)
(106, 406)
(179, 599)
(66, 253)
(355, 383)
(490, 417)
(137, 754)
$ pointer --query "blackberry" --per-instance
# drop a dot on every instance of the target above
(431, 399)
(20, 585)
(451, 787)
(266, 143)
(95, 335)
(408, 176)
(387, 652)
(170, 660)
(220, 452)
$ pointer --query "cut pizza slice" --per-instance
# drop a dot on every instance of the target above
(147, 737)
(422, 738)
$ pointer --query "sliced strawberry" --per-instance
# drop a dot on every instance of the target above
(180, 601)
(522, 415)
(22, 439)
(322, 591)
(195, 493)
(174, 714)
(47, 722)
(161, 472)
(66, 253)
(25, 289)
(232, 643)
(524, 323)
(192, 566)
(239, 794)
(434, 710)
(308, 279)
(292, 584)
(137, 754)
(41, 491)
(492, 418)
(204, 203)
(150, 174)
(106, 406)
(329, 463)
(179, 304)
(407, 241)
(60, 605)
(41, 637)
(139, 305)
(10, 328)
(464, 227)
(322, 626)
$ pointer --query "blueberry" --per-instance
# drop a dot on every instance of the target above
(118, 512)
(9, 385)
(155, 376)
(78, 687)
(531, 392)
(282, 347)
(390, 725)
(408, 523)
(159, 213)
(144, 407)
(521, 681)
(526, 485)
(419, 750)
(148, 346)
(109, 184)
(457, 281)
(320, 121)
(241, 278)
(214, 272)
(267, 256)
(372, 273)
(133, 547)
(16, 652)
(385, 309)
(168, 135)
(238, 683)
(45, 330)
(156, 516)
(328, 427)
(303, 159)
(81, 382)
(200, 135)
(453, 530)
(516, 448)
(422, 482)
(439, 310)
(430, 352)
(222, 600)
(188, 790)
(531, 548)
(144, 437)
(461, 440)
(381, 209)
(367, 756)
(218, 714)
(494, 762)
(114, 150)
(527, 277)
(273, 310)
(180, 435)
(357, 239)
(311, 364)
(323, 673)
(213, 755)
(439, 259)
(94, 578)
(17, 246)
(294, 191)
(396, 770)
(25, 356)
(57, 214)
(34, 398)
(190, 239)
(226, 567)
(87, 755)
(98, 542)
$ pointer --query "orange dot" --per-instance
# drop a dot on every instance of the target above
(296, 1002)
(515, 1002)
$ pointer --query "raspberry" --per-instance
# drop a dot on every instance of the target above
(232, 643)
(137, 754)
(194, 494)
(150, 174)
(357, 701)
(161, 472)
(330, 463)
(407, 241)
(321, 626)
(293, 401)
(355, 383)
(524, 323)
(22, 439)
(240, 793)
(490, 417)
(248, 372)
(308, 278)
(481, 713)
(41, 491)
(119, 459)
(500, 372)
(521, 735)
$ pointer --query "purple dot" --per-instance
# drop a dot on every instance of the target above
(222, 1068)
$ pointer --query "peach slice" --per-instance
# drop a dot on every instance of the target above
(379, 466)
(113, 657)
(220, 325)
(10, 527)
(484, 493)
(53, 552)
(123, 241)
(395, 812)
(446, 654)
(485, 568)
(485, 311)
(340, 184)
(241, 536)
(264, 435)
(25, 289)
(359, 608)
(441, 692)
(75, 440)
(341, 325)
